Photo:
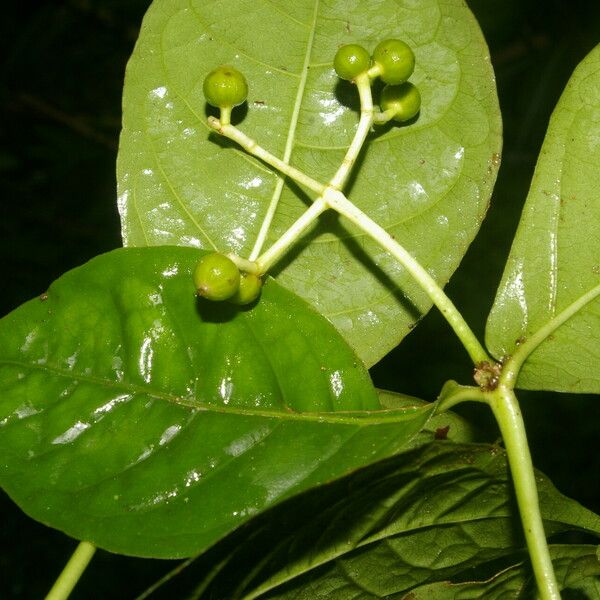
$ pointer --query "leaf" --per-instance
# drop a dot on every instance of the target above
(577, 571)
(555, 257)
(428, 183)
(439, 512)
(136, 417)
(442, 426)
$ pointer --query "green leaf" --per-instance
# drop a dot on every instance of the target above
(577, 571)
(440, 512)
(137, 417)
(555, 257)
(427, 183)
(443, 426)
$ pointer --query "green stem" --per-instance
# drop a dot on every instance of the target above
(252, 147)
(506, 410)
(243, 264)
(331, 197)
(266, 260)
(72, 572)
(340, 178)
(461, 393)
(341, 204)
(505, 407)
(381, 118)
(225, 115)
(374, 71)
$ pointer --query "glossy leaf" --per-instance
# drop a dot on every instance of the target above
(440, 512)
(443, 426)
(149, 422)
(428, 183)
(555, 257)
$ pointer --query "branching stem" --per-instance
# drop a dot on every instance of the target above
(250, 146)
(331, 197)
(499, 389)
(435, 293)
(504, 405)
(282, 245)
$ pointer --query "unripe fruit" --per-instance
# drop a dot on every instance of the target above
(249, 290)
(404, 100)
(216, 277)
(396, 61)
(225, 87)
(351, 60)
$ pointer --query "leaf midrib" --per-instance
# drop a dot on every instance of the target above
(357, 418)
(290, 141)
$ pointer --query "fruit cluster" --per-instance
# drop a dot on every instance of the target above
(218, 278)
(394, 62)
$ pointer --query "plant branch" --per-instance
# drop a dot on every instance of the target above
(452, 394)
(341, 204)
(506, 410)
(72, 572)
(253, 148)
(505, 407)
(266, 260)
(331, 197)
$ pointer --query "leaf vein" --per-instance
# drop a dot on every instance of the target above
(354, 418)
(223, 41)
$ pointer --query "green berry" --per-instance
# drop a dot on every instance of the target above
(216, 277)
(404, 99)
(225, 87)
(248, 291)
(351, 60)
(395, 60)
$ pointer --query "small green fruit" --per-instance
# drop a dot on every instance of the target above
(351, 60)
(249, 290)
(396, 61)
(404, 100)
(216, 277)
(225, 87)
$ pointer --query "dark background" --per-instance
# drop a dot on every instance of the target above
(61, 68)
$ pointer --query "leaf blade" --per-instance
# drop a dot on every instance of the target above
(554, 258)
(149, 423)
(436, 513)
(577, 571)
(428, 184)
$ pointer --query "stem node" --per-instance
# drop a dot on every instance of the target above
(487, 375)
